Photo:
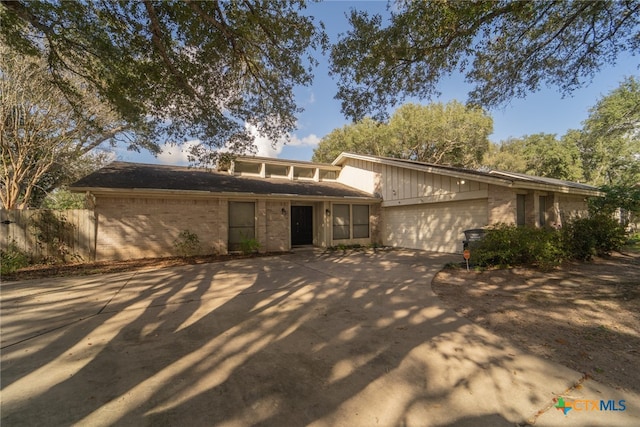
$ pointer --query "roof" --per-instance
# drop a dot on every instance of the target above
(140, 177)
(509, 179)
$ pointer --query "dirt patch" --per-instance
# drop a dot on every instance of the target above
(44, 271)
(585, 316)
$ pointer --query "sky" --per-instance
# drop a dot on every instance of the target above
(545, 111)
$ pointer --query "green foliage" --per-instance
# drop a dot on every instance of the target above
(580, 239)
(55, 236)
(508, 245)
(450, 134)
(617, 197)
(249, 245)
(61, 199)
(539, 154)
(13, 259)
(505, 48)
(182, 69)
(598, 234)
(187, 244)
(46, 141)
(364, 137)
(610, 139)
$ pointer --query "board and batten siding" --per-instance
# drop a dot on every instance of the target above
(421, 210)
(402, 185)
(361, 174)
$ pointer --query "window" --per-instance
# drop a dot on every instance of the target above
(242, 223)
(520, 210)
(277, 170)
(350, 221)
(360, 221)
(251, 168)
(543, 211)
(341, 223)
(327, 175)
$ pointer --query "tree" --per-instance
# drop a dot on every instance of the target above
(364, 137)
(448, 134)
(180, 69)
(505, 48)
(540, 154)
(45, 140)
(506, 156)
(610, 138)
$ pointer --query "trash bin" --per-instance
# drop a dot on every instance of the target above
(472, 236)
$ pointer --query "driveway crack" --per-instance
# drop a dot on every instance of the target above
(532, 420)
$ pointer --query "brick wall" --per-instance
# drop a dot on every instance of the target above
(146, 227)
(501, 205)
(276, 227)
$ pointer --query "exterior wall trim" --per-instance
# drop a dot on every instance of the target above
(439, 198)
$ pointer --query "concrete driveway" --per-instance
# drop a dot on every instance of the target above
(293, 340)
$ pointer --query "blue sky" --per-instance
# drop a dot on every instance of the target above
(545, 111)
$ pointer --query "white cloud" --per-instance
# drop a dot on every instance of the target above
(266, 148)
(177, 154)
(173, 154)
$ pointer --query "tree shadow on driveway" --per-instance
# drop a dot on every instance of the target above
(303, 339)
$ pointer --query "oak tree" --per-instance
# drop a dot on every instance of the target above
(446, 134)
(504, 48)
(183, 69)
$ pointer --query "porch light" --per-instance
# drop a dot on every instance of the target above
(327, 212)
(283, 211)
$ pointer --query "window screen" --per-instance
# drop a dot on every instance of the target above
(341, 222)
(520, 212)
(543, 211)
(242, 223)
(360, 221)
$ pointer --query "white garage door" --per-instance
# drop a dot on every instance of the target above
(433, 227)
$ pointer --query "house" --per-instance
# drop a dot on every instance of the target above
(140, 209)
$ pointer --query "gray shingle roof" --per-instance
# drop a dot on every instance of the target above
(129, 176)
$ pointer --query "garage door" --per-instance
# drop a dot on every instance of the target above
(432, 227)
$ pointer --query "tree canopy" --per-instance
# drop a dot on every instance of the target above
(180, 69)
(610, 138)
(539, 154)
(505, 49)
(45, 141)
(605, 152)
(448, 134)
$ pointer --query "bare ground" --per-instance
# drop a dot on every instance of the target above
(585, 316)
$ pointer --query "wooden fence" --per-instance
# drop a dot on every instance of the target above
(68, 235)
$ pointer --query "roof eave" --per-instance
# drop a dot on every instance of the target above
(157, 192)
(425, 168)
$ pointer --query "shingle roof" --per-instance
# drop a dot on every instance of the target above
(129, 176)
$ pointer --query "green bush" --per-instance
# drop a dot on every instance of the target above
(508, 245)
(187, 244)
(249, 245)
(13, 259)
(596, 235)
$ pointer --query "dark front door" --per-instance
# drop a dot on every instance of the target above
(301, 225)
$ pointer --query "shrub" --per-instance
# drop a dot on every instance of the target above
(249, 245)
(13, 259)
(596, 235)
(187, 244)
(508, 245)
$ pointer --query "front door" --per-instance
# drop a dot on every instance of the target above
(301, 225)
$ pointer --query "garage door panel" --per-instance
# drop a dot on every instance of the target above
(434, 227)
